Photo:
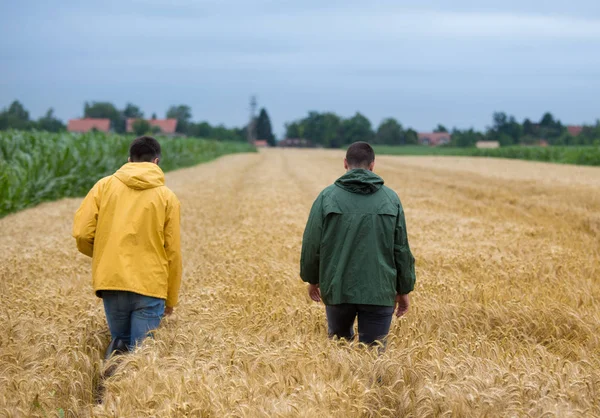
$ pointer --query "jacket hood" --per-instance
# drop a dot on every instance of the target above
(360, 181)
(141, 176)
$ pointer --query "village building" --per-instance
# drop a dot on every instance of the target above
(166, 126)
(296, 143)
(574, 130)
(434, 139)
(487, 144)
(88, 124)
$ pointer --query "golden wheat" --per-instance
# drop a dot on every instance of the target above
(504, 320)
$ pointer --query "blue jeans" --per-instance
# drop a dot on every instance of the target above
(131, 316)
(373, 321)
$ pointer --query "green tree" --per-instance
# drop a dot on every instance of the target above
(322, 128)
(17, 111)
(223, 133)
(132, 111)
(411, 137)
(263, 128)
(440, 128)
(389, 133)
(357, 128)
(50, 123)
(200, 130)
(550, 128)
(547, 120)
(183, 114)
(141, 127)
(465, 138)
(505, 140)
(154, 116)
(529, 128)
(105, 110)
(590, 134)
(15, 117)
(293, 130)
(505, 129)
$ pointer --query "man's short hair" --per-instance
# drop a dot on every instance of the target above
(360, 154)
(144, 149)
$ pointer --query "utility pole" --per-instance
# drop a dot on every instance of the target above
(252, 124)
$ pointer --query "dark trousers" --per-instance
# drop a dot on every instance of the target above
(373, 321)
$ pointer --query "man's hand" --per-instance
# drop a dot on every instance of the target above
(168, 310)
(314, 292)
(401, 305)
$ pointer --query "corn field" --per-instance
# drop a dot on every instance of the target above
(504, 320)
(41, 166)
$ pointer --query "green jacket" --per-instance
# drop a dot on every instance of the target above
(355, 244)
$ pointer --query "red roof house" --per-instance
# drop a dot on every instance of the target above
(574, 130)
(88, 124)
(261, 143)
(434, 138)
(167, 126)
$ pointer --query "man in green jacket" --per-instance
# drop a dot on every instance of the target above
(355, 252)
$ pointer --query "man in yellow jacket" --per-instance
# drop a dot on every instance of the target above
(129, 224)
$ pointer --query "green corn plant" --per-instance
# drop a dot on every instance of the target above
(37, 167)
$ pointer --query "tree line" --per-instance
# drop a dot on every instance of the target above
(17, 117)
(325, 129)
(330, 130)
(508, 131)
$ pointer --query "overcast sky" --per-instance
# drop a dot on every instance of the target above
(422, 62)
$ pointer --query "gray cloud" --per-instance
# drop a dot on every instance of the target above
(434, 62)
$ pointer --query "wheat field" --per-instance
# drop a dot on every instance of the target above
(504, 321)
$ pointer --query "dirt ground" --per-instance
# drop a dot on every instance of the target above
(505, 316)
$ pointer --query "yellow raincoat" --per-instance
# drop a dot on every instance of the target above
(129, 224)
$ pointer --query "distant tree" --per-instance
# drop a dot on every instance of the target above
(17, 111)
(440, 128)
(529, 128)
(322, 128)
(550, 128)
(223, 133)
(50, 123)
(500, 119)
(263, 127)
(141, 127)
(411, 137)
(200, 130)
(389, 133)
(105, 110)
(155, 129)
(154, 116)
(240, 134)
(465, 138)
(15, 117)
(547, 120)
(293, 130)
(590, 134)
(132, 111)
(505, 129)
(356, 128)
(183, 114)
(505, 140)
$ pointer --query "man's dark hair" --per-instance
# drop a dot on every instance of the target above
(144, 149)
(360, 154)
